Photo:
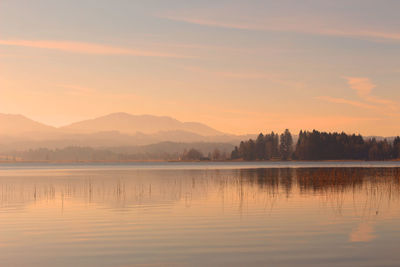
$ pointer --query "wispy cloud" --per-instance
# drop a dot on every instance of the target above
(76, 89)
(287, 26)
(215, 23)
(363, 88)
(86, 48)
(84, 91)
(271, 77)
(345, 101)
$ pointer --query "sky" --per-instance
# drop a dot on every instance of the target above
(238, 66)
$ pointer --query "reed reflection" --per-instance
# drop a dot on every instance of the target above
(266, 212)
(374, 188)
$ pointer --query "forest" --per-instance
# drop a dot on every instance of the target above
(316, 145)
(307, 145)
(168, 151)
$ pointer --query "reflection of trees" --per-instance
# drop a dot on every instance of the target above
(369, 188)
(328, 180)
(321, 180)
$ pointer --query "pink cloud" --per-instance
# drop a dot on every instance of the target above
(291, 25)
(214, 23)
(85, 48)
(363, 86)
(345, 101)
(275, 78)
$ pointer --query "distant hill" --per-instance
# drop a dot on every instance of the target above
(131, 124)
(113, 139)
(114, 130)
(18, 125)
(117, 135)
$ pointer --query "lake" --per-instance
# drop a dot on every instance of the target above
(200, 214)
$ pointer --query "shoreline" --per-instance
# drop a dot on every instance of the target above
(182, 161)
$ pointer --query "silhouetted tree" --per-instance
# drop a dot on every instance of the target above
(317, 145)
(286, 145)
(271, 146)
(260, 147)
(396, 148)
(235, 153)
(216, 155)
(192, 154)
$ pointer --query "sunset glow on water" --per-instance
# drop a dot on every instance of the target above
(198, 217)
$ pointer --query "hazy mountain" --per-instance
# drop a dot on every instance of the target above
(131, 124)
(115, 130)
(113, 139)
(18, 125)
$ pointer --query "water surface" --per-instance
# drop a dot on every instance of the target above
(189, 214)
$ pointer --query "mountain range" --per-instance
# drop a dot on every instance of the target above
(124, 123)
(131, 124)
(117, 129)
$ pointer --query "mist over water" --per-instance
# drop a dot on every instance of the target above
(185, 216)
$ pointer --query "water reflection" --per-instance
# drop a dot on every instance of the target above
(255, 212)
(376, 188)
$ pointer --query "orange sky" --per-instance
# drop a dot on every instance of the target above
(238, 66)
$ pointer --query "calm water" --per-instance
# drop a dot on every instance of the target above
(188, 214)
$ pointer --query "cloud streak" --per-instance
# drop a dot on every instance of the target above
(363, 88)
(274, 78)
(336, 100)
(85, 48)
(287, 26)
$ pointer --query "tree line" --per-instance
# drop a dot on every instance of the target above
(195, 154)
(77, 154)
(316, 145)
